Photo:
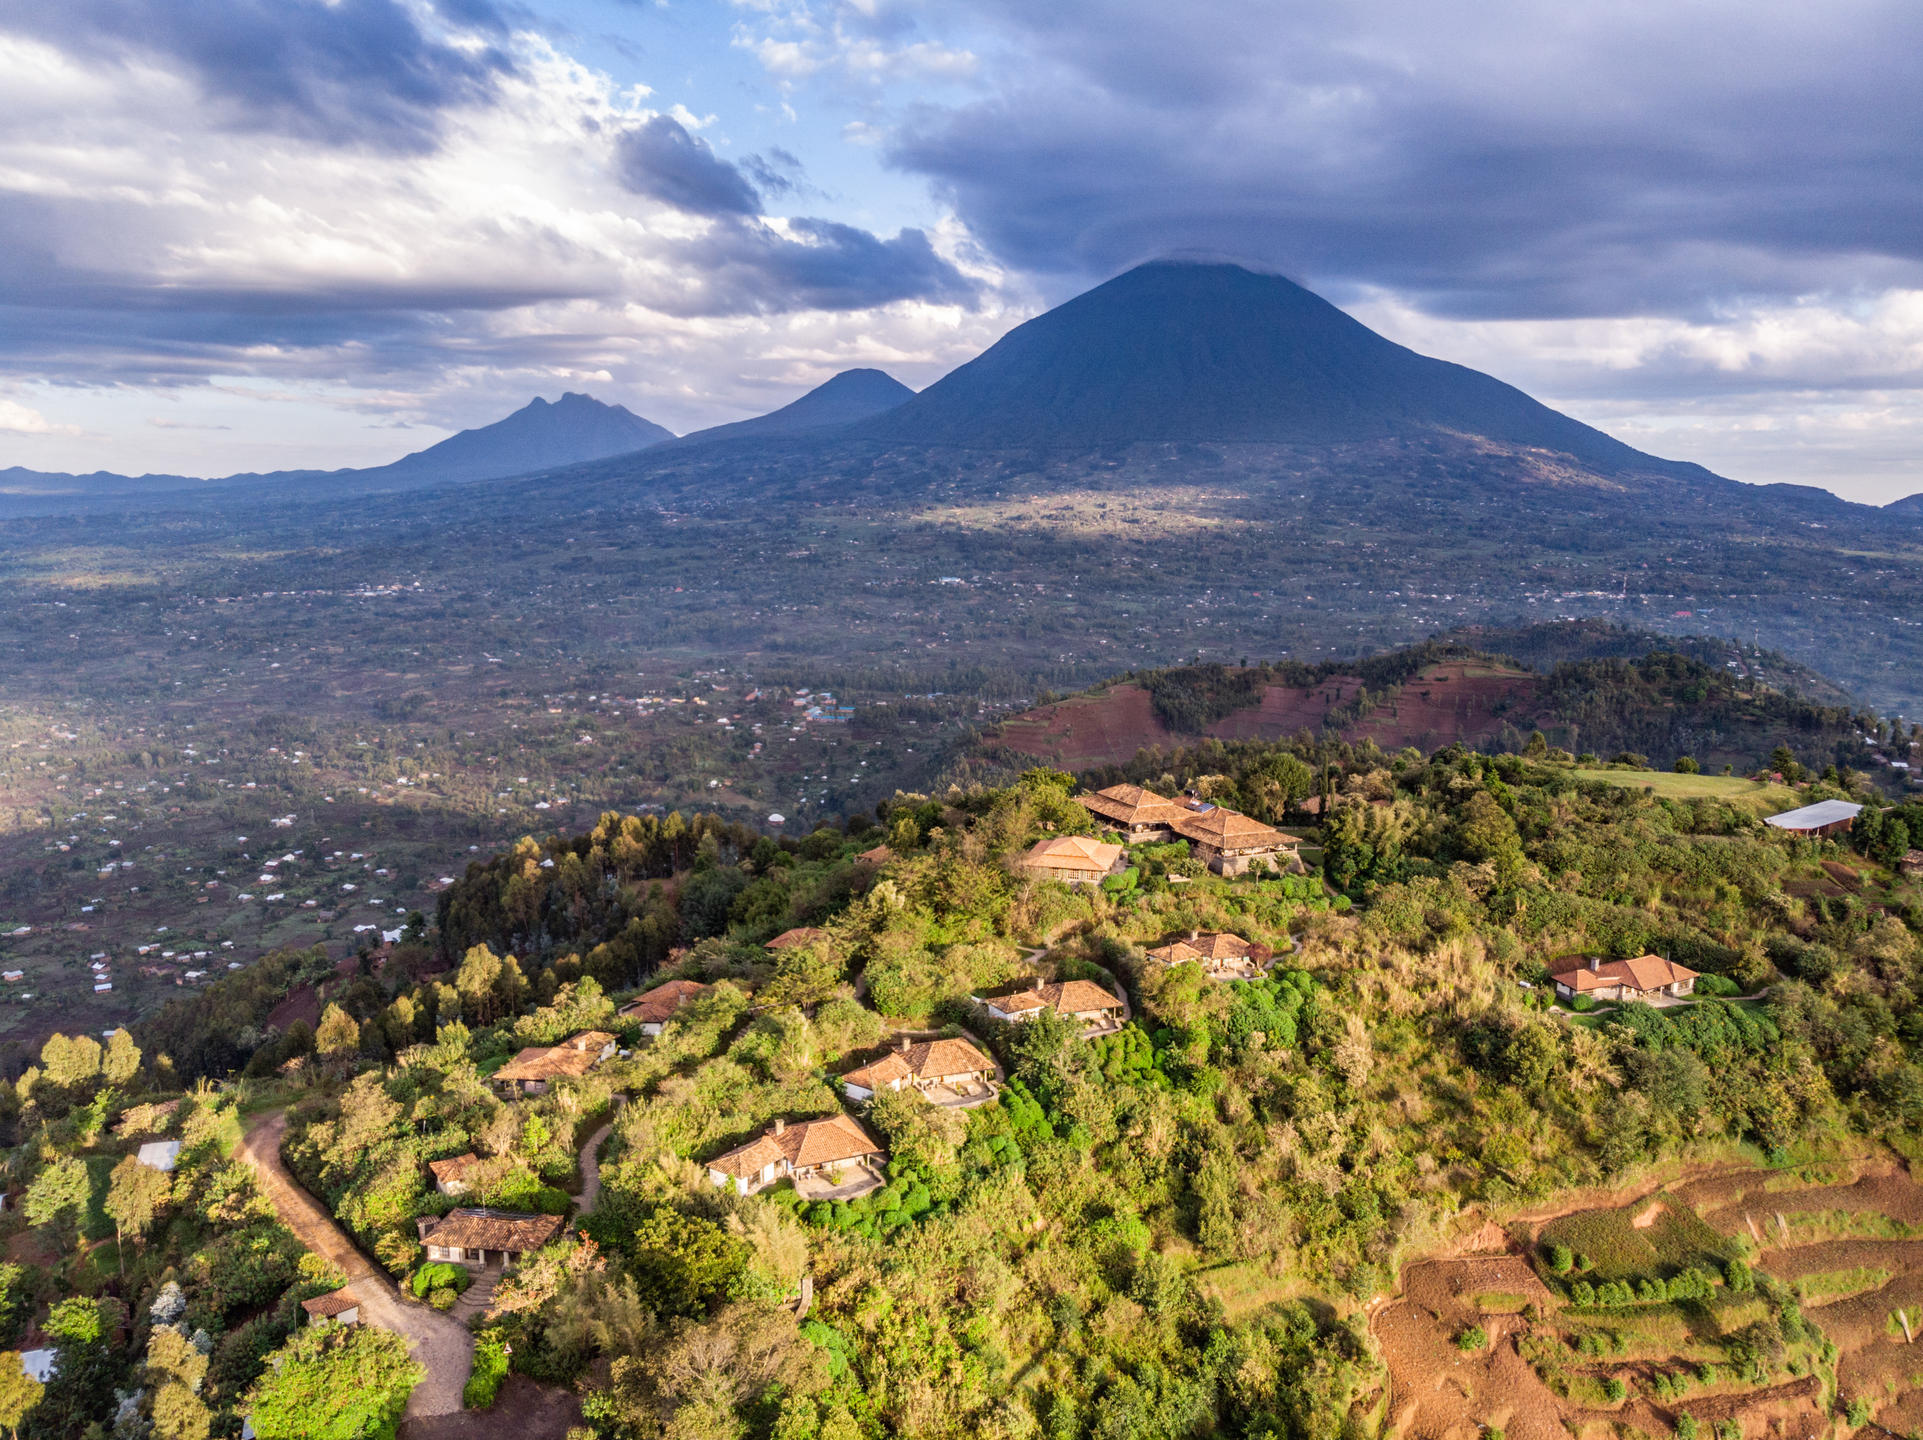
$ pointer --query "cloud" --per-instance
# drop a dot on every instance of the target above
(661, 160)
(374, 73)
(1490, 160)
(18, 419)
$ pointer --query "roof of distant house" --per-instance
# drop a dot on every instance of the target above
(1645, 972)
(484, 1229)
(1070, 997)
(1072, 852)
(549, 1062)
(1228, 829)
(658, 1004)
(800, 936)
(1815, 817)
(880, 855)
(804, 1144)
(1219, 946)
(454, 1168)
(160, 1154)
(923, 1060)
(1131, 805)
(335, 1302)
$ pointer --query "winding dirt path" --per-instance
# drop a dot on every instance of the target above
(591, 1171)
(442, 1345)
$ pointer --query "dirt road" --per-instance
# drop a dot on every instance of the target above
(442, 1345)
(591, 1171)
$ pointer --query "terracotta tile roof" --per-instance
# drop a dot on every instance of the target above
(880, 855)
(1131, 805)
(446, 1170)
(592, 1041)
(923, 1060)
(1070, 997)
(1229, 830)
(548, 1062)
(658, 1004)
(791, 939)
(1645, 972)
(1071, 852)
(335, 1302)
(483, 1229)
(1210, 948)
(804, 1144)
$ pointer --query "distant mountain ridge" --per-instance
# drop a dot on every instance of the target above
(539, 436)
(1176, 351)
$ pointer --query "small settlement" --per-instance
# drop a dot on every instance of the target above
(1099, 1010)
(943, 1072)
(655, 1008)
(832, 1158)
(1225, 840)
(1221, 956)
(1648, 978)
(484, 1237)
(534, 1067)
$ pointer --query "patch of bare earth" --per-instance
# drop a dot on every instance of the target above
(1439, 1393)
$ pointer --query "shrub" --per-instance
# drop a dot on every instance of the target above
(1614, 1391)
(490, 1369)
(439, 1275)
(1473, 1339)
(1688, 1427)
(443, 1297)
(1717, 985)
(1583, 1004)
(1859, 1411)
(1736, 1275)
(1560, 1259)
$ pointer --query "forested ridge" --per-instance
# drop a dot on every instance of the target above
(1170, 1229)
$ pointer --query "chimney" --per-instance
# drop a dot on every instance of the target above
(1595, 962)
(903, 1046)
(1036, 985)
(780, 1125)
(1194, 935)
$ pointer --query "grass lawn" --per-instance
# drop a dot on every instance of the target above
(1764, 799)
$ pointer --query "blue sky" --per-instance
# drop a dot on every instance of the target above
(249, 234)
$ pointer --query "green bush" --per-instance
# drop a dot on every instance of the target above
(1718, 985)
(1859, 1411)
(1473, 1339)
(1560, 1259)
(439, 1275)
(1688, 1427)
(1614, 1391)
(490, 1369)
(1583, 1004)
(442, 1297)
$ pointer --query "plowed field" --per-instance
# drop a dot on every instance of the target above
(1853, 1237)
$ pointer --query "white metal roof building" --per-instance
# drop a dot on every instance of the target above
(1817, 819)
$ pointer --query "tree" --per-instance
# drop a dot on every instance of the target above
(71, 1062)
(135, 1193)
(19, 1391)
(1687, 765)
(175, 1370)
(684, 1264)
(122, 1061)
(62, 1189)
(339, 1034)
(334, 1382)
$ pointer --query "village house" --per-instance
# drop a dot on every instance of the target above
(538, 1065)
(1825, 817)
(1221, 956)
(1073, 859)
(878, 856)
(1646, 978)
(1141, 816)
(1083, 1000)
(944, 1072)
(1912, 863)
(451, 1176)
(836, 1153)
(657, 1006)
(476, 1236)
(1228, 842)
(335, 1305)
(798, 938)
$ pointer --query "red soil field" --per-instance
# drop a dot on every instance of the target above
(1466, 701)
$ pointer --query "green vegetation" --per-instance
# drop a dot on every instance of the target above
(1179, 1223)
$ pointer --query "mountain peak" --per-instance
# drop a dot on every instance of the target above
(1188, 350)
(840, 400)
(538, 436)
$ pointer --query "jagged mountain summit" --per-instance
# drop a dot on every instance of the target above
(851, 396)
(1176, 351)
(538, 436)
